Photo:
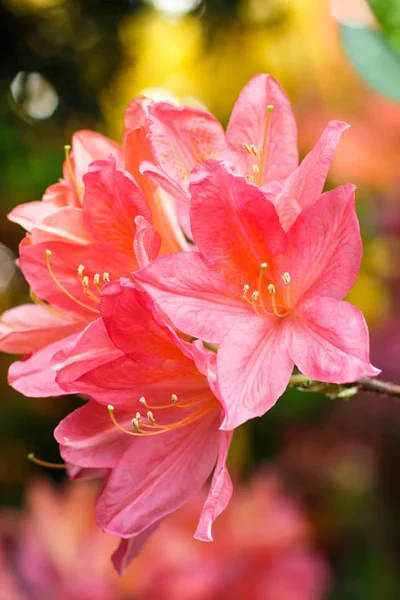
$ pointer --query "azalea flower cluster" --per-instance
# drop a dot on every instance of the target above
(176, 280)
(263, 549)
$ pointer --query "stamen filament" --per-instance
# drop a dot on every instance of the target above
(79, 188)
(270, 108)
(63, 289)
(44, 463)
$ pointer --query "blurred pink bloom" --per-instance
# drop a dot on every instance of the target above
(270, 298)
(164, 439)
(260, 144)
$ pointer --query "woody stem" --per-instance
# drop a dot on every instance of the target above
(365, 384)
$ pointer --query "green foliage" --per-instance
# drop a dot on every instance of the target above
(377, 63)
(387, 13)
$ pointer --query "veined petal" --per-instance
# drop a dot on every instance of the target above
(63, 224)
(330, 341)
(90, 349)
(254, 368)
(88, 438)
(88, 146)
(220, 492)
(234, 225)
(197, 299)
(324, 246)
(273, 133)
(27, 215)
(111, 202)
(307, 181)
(167, 183)
(136, 114)
(28, 327)
(35, 377)
(182, 137)
(129, 548)
(156, 476)
(147, 242)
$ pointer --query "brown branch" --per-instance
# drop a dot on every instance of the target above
(345, 390)
(378, 386)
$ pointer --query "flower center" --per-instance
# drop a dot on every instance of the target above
(195, 408)
(270, 298)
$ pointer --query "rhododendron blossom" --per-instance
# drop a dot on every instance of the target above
(161, 438)
(260, 143)
(270, 298)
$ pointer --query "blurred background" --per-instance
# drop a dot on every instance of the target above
(73, 64)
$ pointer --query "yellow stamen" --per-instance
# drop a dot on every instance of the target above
(43, 463)
(106, 277)
(96, 281)
(270, 108)
(62, 288)
(79, 189)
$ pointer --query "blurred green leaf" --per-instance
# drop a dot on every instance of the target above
(387, 13)
(373, 58)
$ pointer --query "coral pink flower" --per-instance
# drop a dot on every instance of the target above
(96, 226)
(260, 144)
(270, 298)
(161, 439)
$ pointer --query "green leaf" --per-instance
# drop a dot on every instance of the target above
(387, 12)
(373, 58)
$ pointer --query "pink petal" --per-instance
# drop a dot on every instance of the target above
(307, 181)
(64, 225)
(85, 352)
(147, 242)
(35, 377)
(111, 202)
(89, 439)
(181, 137)
(137, 150)
(64, 261)
(288, 210)
(220, 492)
(234, 226)
(129, 548)
(156, 476)
(330, 341)
(324, 246)
(197, 299)
(136, 114)
(27, 328)
(167, 183)
(61, 194)
(27, 215)
(274, 134)
(254, 368)
(88, 146)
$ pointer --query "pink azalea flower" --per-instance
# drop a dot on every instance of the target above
(161, 439)
(270, 298)
(97, 227)
(260, 143)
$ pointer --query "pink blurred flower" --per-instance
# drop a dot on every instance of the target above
(263, 550)
(270, 298)
(164, 439)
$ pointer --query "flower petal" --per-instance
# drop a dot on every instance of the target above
(28, 327)
(307, 181)
(156, 476)
(27, 215)
(234, 225)
(254, 368)
(220, 492)
(89, 439)
(64, 224)
(330, 341)
(324, 246)
(274, 133)
(147, 242)
(181, 137)
(197, 299)
(111, 202)
(129, 548)
(88, 146)
(35, 377)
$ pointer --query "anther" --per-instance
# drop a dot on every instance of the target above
(271, 289)
(96, 279)
(135, 423)
(245, 290)
(249, 178)
(255, 296)
(106, 277)
(253, 149)
(151, 417)
(256, 169)
(81, 268)
(263, 266)
(247, 148)
(138, 416)
(174, 399)
(143, 401)
(286, 278)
